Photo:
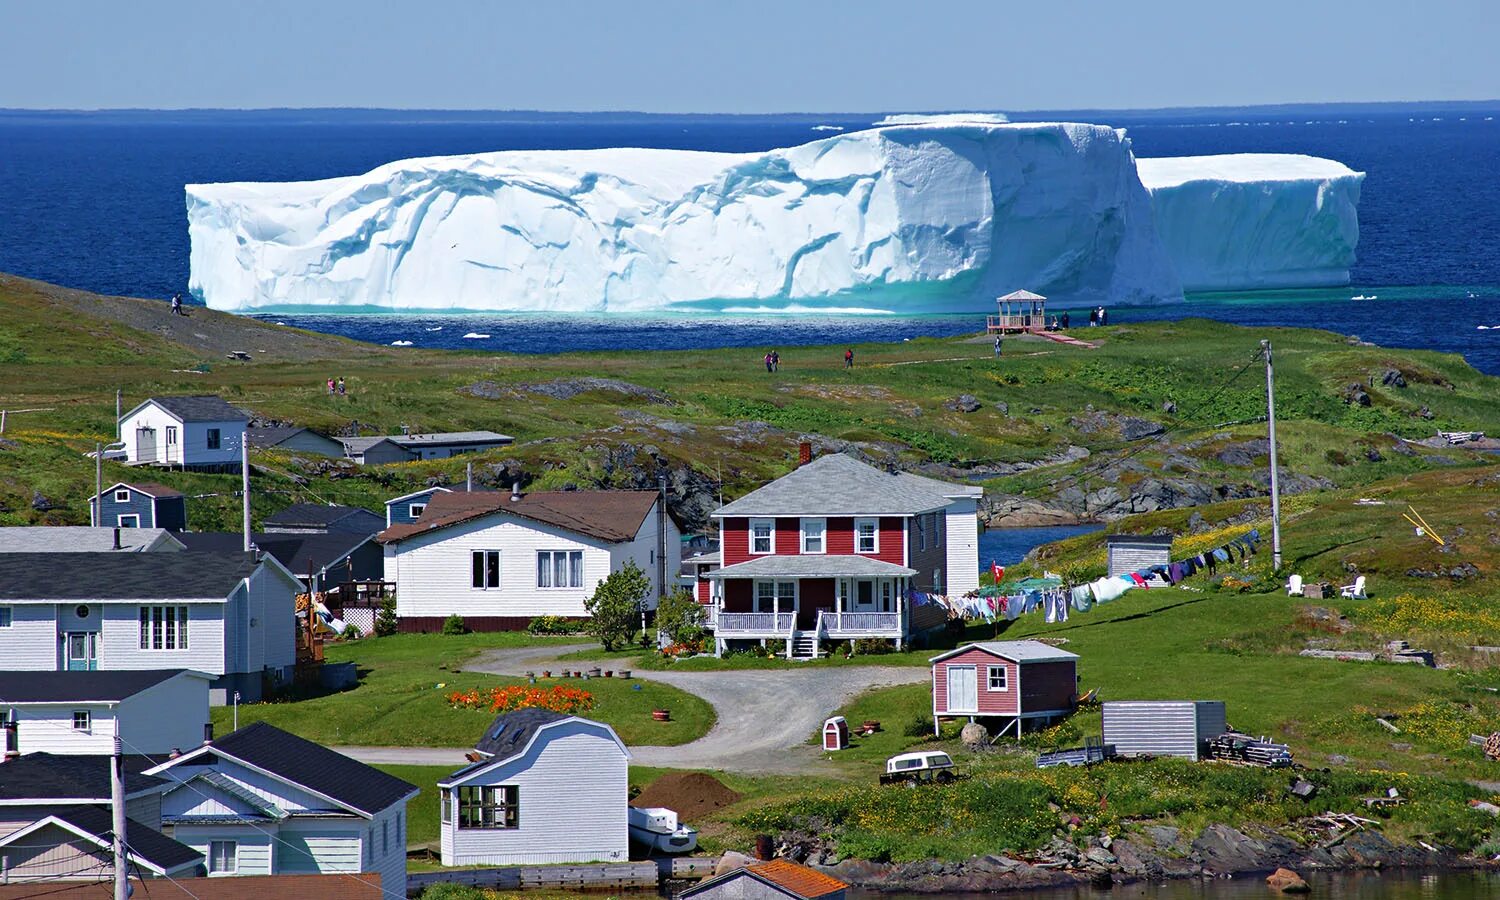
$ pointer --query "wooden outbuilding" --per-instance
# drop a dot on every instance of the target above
(1011, 682)
(836, 733)
(1137, 552)
(1018, 312)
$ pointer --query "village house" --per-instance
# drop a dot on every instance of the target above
(229, 615)
(320, 562)
(152, 710)
(1007, 684)
(85, 539)
(407, 508)
(500, 559)
(391, 448)
(776, 879)
(262, 801)
(323, 518)
(548, 788)
(832, 550)
(294, 440)
(184, 432)
(139, 505)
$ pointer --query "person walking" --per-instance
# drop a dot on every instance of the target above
(849, 358)
(768, 361)
(341, 385)
(1093, 316)
(1065, 320)
(997, 346)
(1103, 316)
(177, 304)
(331, 387)
(775, 361)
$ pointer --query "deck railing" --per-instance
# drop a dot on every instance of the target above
(773, 624)
(835, 623)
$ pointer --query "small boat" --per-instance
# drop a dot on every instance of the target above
(657, 828)
(400, 343)
(475, 336)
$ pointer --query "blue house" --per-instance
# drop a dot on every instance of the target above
(405, 509)
(139, 505)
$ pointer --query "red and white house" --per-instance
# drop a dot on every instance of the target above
(830, 551)
(1008, 681)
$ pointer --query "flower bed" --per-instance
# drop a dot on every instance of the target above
(561, 699)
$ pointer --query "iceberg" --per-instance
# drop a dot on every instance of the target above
(940, 214)
(1252, 221)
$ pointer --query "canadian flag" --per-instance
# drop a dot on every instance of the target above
(997, 570)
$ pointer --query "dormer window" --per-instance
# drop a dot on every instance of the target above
(415, 510)
(762, 536)
(813, 531)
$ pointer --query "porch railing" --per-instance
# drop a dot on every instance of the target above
(773, 624)
(835, 623)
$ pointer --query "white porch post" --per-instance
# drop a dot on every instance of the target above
(900, 588)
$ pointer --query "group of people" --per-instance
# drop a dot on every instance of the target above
(1097, 316)
(773, 359)
(336, 386)
(177, 309)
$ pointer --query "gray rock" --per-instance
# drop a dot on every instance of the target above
(1373, 455)
(964, 403)
(1244, 453)
(1003, 407)
(41, 502)
(1393, 378)
(1101, 856)
(1169, 407)
(1164, 836)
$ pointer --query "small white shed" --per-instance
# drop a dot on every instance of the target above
(1163, 727)
(1137, 552)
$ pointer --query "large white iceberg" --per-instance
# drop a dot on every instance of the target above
(1255, 220)
(937, 215)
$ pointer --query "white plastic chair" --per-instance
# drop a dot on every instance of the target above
(1294, 586)
(1355, 591)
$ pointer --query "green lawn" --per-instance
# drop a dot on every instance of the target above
(404, 680)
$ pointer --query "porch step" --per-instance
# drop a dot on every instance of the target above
(805, 646)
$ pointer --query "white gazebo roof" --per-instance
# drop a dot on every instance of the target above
(1022, 296)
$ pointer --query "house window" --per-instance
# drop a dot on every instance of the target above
(486, 569)
(171, 435)
(998, 678)
(385, 837)
(885, 595)
(937, 529)
(762, 536)
(415, 509)
(82, 720)
(559, 568)
(213, 439)
(130, 521)
(812, 535)
(445, 803)
(489, 807)
(937, 581)
(122, 496)
(775, 596)
(921, 532)
(223, 857)
(5, 619)
(164, 628)
(866, 536)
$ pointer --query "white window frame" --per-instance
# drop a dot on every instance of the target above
(135, 517)
(171, 435)
(416, 509)
(7, 617)
(83, 721)
(551, 556)
(777, 597)
(821, 537)
(989, 679)
(509, 808)
(226, 862)
(771, 539)
(157, 634)
(122, 496)
(499, 570)
(874, 536)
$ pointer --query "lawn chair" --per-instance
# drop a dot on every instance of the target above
(1294, 586)
(1355, 591)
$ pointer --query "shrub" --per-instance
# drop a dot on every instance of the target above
(447, 890)
(917, 727)
(556, 625)
(680, 617)
(776, 647)
(560, 698)
(455, 624)
(385, 620)
(872, 646)
(1337, 457)
(615, 606)
(351, 633)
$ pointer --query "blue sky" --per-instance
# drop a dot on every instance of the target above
(762, 56)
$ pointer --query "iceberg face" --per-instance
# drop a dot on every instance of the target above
(930, 216)
(1255, 220)
(944, 214)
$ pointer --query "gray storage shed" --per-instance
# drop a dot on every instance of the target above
(1163, 727)
(1137, 552)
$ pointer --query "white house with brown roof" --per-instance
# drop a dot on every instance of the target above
(501, 559)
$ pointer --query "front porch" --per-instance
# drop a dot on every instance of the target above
(807, 600)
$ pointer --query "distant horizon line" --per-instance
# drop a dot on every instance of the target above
(475, 111)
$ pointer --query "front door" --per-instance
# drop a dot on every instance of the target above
(145, 444)
(864, 596)
(963, 689)
(83, 651)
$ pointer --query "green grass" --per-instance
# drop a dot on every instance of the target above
(404, 680)
(422, 811)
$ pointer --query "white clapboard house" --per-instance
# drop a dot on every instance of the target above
(228, 615)
(549, 788)
(499, 559)
(262, 801)
(152, 710)
(200, 432)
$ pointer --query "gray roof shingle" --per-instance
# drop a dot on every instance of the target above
(840, 485)
(314, 767)
(102, 577)
(82, 539)
(832, 565)
(51, 777)
(444, 438)
(511, 731)
(79, 687)
(1018, 651)
(200, 408)
(322, 515)
(146, 844)
(299, 553)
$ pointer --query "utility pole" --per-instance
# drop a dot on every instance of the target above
(117, 809)
(117, 405)
(468, 478)
(245, 485)
(1265, 347)
(96, 518)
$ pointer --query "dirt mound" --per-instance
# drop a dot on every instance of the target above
(691, 794)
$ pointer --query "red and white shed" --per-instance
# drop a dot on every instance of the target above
(1011, 681)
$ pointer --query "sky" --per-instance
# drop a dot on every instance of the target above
(744, 57)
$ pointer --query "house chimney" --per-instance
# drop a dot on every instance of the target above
(804, 453)
(117, 537)
(8, 743)
(515, 491)
(208, 732)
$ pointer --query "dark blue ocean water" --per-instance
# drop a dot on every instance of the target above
(95, 201)
(1008, 546)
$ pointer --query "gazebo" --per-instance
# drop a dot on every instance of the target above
(1018, 312)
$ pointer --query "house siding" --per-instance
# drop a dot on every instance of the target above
(321, 847)
(312, 442)
(572, 789)
(152, 512)
(165, 717)
(31, 643)
(841, 536)
(1049, 685)
(962, 545)
(929, 559)
(892, 545)
(254, 853)
(52, 853)
(643, 549)
(734, 540)
(49, 729)
(399, 513)
(120, 640)
(738, 595)
(813, 594)
(382, 453)
(146, 809)
(992, 703)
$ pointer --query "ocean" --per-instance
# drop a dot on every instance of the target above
(95, 201)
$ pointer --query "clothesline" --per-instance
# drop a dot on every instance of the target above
(1055, 602)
